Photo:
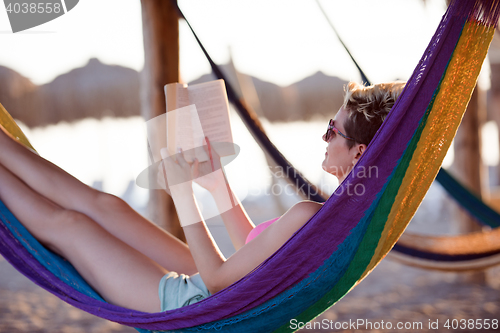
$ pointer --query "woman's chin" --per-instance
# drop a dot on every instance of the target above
(331, 172)
(325, 168)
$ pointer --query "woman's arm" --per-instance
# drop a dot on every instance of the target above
(207, 255)
(265, 244)
(212, 177)
(216, 272)
(235, 217)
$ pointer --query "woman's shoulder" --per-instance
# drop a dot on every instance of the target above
(297, 216)
(270, 240)
(306, 208)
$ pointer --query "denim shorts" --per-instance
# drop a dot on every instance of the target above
(176, 290)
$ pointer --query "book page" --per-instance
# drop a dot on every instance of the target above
(176, 97)
(156, 136)
(185, 129)
(198, 136)
(213, 109)
(188, 134)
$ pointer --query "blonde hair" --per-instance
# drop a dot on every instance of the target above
(367, 108)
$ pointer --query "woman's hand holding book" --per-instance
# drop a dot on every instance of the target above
(209, 174)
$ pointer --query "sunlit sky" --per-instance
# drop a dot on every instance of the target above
(278, 41)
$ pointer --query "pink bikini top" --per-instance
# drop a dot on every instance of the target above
(258, 229)
(261, 227)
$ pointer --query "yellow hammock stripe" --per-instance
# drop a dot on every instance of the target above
(10, 125)
(443, 121)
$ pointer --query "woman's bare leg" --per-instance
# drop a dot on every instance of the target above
(116, 216)
(112, 213)
(121, 274)
(43, 176)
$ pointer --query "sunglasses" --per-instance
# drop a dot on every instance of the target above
(331, 130)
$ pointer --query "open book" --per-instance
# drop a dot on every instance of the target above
(194, 112)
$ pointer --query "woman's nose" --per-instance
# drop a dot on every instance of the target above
(324, 138)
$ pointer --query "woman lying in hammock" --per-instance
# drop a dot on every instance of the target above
(133, 263)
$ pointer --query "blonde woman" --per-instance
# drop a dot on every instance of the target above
(133, 263)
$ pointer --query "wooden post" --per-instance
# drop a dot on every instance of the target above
(468, 166)
(494, 101)
(160, 25)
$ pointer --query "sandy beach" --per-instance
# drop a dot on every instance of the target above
(392, 293)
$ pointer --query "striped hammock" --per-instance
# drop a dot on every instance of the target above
(476, 251)
(348, 236)
(451, 253)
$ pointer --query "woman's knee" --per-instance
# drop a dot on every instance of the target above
(105, 202)
(71, 221)
(65, 227)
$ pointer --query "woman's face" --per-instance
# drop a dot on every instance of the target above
(339, 159)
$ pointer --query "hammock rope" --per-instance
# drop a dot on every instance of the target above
(349, 235)
(364, 78)
(256, 128)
